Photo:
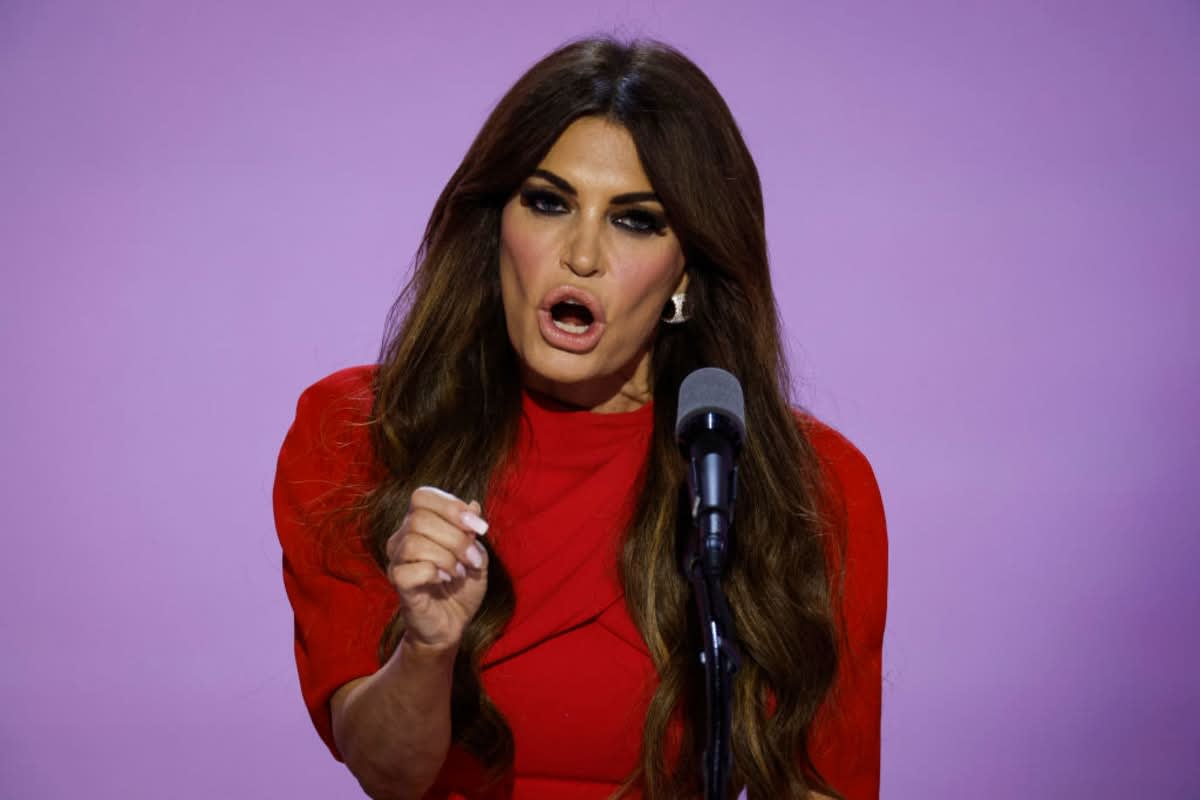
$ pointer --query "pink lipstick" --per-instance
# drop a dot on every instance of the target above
(571, 319)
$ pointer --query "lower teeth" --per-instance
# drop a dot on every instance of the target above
(570, 327)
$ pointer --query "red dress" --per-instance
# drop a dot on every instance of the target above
(570, 672)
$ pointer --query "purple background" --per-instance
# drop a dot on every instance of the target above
(983, 223)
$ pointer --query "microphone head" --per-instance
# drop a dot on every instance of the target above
(714, 391)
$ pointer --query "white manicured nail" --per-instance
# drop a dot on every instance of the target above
(474, 522)
(475, 555)
(444, 576)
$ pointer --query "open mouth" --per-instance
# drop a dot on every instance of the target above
(571, 316)
(572, 319)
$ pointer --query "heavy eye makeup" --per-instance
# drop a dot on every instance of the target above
(635, 220)
(640, 220)
(543, 201)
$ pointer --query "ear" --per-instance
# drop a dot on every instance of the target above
(681, 287)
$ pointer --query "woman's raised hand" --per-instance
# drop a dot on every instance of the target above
(437, 567)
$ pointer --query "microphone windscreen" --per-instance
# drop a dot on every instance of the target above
(710, 390)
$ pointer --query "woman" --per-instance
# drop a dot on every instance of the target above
(481, 534)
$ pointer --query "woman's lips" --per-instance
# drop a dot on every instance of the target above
(573, 335)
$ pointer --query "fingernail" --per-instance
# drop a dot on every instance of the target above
(474, 522)
(444, 576)
(474, 555)
(461, 570)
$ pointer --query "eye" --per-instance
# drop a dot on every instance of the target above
(542, 201)
(641, 221)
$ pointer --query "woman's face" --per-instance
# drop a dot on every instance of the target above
(587, 262)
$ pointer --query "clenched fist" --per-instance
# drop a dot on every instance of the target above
(438, 568)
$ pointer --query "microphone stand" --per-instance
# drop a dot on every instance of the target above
(704, 565)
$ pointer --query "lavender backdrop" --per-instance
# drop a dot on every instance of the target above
(983, 223)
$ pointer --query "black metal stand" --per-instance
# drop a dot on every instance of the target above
(721, 660)
(712, 441)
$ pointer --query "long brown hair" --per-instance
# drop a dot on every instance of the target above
(446, 363)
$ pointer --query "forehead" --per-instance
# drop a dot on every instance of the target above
(593, 153)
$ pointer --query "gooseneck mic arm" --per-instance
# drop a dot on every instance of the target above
(710, 428)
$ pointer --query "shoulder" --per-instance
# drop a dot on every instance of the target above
(832, 447)
(845, 468)
(332, 415)
(326, 459)
(347, 393)
(856, 506)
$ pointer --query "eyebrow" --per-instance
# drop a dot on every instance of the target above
(617, 200)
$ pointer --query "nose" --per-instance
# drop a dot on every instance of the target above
(582, 254)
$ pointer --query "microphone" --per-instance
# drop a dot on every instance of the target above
(710, 427)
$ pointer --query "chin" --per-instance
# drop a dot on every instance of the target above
(579, 379)
(557, 367)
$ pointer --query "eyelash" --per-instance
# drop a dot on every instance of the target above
(639, 221)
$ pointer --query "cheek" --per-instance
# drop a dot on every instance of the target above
(523, 251)
(649, 279)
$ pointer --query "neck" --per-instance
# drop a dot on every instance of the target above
(609, 394)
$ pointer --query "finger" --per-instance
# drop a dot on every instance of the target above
(419, 548)
(484, 558)
(466, 556)
(421, 522)
(417, 575)
(451, 508)
(389, 548)
(429, 525)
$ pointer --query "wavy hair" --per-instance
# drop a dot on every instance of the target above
(446, 363)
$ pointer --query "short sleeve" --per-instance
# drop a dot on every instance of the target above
(846, 734)
(340, 597)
